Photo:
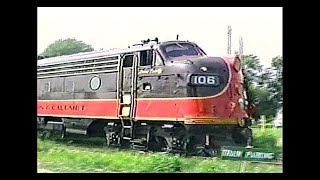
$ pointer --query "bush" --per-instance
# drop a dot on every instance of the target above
(269, 138)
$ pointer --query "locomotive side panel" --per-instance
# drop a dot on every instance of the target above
(78, 87)
(70, 96)
(162, 86)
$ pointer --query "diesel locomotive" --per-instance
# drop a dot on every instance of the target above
(162, 96)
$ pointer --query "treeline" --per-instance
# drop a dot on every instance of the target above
(264, 85)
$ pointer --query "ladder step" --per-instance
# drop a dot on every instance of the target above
(124, 104)
(126, 91)
(127, 138)
(128, 127)
(123, 115)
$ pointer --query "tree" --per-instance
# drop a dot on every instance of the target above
(265, 105)
(251, 69)
(277, 84)
(262, 85)
(66, 47)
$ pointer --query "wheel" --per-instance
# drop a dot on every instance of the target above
(158, 144)
(108, 139)
(203, 153)
(111, 138)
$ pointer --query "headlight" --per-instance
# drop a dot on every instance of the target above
(237, 64)
(204, 69)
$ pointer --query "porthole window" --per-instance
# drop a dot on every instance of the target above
(95, 83)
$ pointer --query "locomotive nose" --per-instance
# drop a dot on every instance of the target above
(210, 76)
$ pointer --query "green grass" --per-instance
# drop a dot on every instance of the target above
(270, 138)
(61, 156)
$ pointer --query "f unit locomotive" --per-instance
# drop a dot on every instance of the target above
(167, 96)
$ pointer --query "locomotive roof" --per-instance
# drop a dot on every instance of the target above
(97, 54)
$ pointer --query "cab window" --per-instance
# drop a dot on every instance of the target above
(128, 60)
(178, 50)
(146, 58)
(158, 60)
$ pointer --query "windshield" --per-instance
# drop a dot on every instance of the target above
(175, 50)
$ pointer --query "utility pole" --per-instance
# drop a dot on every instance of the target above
(240, 46)
(229, 40)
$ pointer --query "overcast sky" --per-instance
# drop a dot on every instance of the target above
(111, 27)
